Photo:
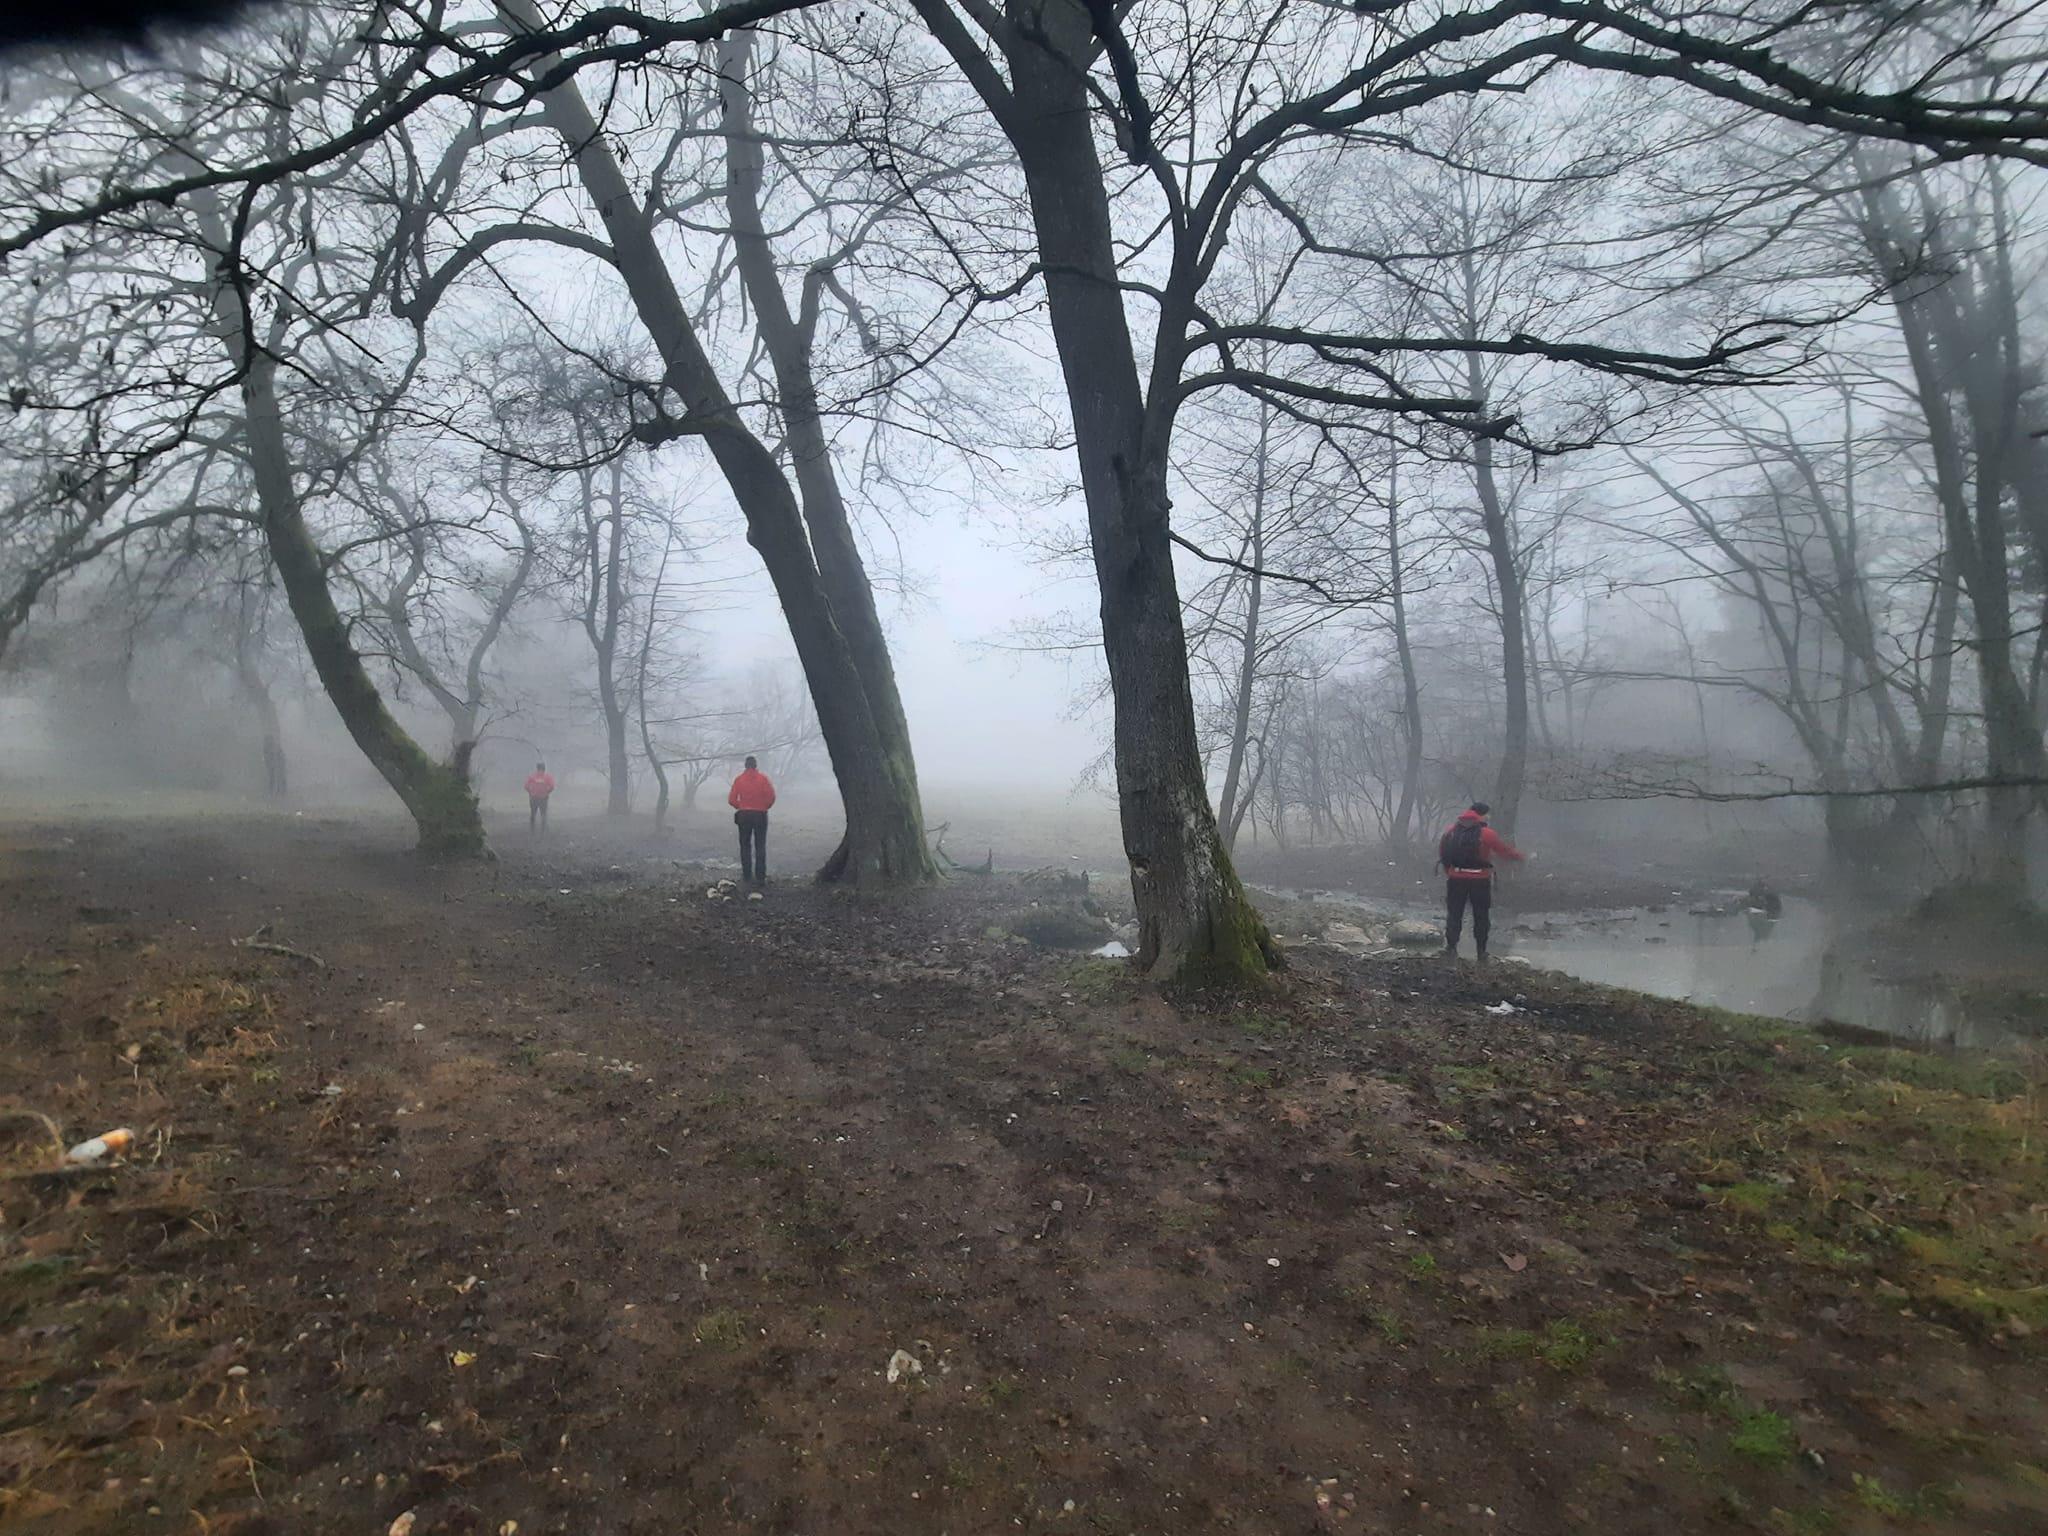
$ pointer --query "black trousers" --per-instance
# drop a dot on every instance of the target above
(753, 827)
(536, 811)
(1459, 894)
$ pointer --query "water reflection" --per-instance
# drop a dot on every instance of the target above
(1795, 965)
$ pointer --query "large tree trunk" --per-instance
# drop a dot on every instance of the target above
(884, 825)
(788, 340)
(1194, 921)
(438, 795)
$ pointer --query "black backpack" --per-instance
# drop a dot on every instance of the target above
(1460, 847)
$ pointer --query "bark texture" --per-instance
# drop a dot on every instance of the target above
(1194, 920)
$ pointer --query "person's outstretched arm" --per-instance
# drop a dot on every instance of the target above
(1494, 843)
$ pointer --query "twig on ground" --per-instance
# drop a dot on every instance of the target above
(39, 1118)
(272, 947)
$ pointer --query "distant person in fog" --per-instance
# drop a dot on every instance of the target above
(1465, 853)
(539, 785)
(751, 797)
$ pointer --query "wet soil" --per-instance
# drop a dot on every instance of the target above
(555, 1197)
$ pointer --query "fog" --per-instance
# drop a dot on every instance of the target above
(1687, 497)
(939, 766)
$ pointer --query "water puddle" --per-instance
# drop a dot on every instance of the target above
(1787, 967)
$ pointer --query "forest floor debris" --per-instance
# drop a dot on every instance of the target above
(1351, 1253)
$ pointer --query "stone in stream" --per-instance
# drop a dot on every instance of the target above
(1348, 936)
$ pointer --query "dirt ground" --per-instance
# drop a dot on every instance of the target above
(558, 1198)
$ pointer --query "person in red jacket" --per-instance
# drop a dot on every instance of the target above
(539, 785)
(1465, 853)
(751, 797)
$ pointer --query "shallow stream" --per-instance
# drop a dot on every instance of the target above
(1795, 966)
(1792, 966)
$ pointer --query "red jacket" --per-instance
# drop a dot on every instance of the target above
(1490, 842)
(540, 785)
(751, 791)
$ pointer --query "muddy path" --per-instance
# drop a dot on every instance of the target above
(559, 1198)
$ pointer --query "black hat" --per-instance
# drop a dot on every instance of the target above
(1481, 807)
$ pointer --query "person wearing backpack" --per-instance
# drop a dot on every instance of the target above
(751, 798)
(1465, 853)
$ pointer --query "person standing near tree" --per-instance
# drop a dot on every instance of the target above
(1465, 854)
(539, 785)
(751, 797)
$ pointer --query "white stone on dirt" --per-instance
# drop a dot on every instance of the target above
(903, 1365)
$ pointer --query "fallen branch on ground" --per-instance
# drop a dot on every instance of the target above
(257, 940)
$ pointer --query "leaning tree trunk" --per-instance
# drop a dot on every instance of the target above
(884, 826)
(438, 795)
(788, 342)
(1194, 920)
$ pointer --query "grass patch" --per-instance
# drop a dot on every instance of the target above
(1473, 1080)
(1763, 1436)
(1098, 980)
(723, 1328)
(1930, 1168)
(1130, 1059)
(1757, 1434)
(1261, 1025)
(1002, 1393)
(1562, 1345)
(1422, 1266)
(1878, 1496)
(1751, 1198)
(43, 1271)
